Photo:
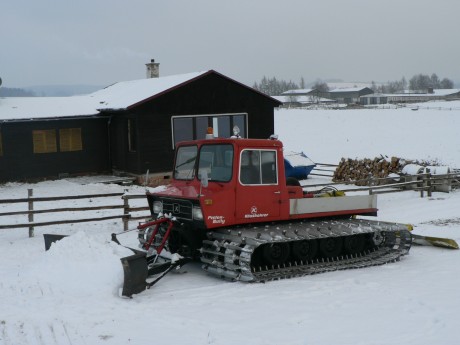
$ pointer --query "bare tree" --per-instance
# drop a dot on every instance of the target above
(302, 83)
(446, 84)
(274, 87)
(321, 86)
(423, 82)
(420, 82)
(435, 82)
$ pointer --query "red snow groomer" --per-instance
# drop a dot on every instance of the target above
(230, 205)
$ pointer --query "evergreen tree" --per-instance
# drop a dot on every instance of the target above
(274, 87)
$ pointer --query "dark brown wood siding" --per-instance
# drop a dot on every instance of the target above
(19, 162)
(123, 160)
(210, 94)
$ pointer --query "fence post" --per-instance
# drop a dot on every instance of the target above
(422, 186)
(125, 211)
(428, 183)
(30, 194)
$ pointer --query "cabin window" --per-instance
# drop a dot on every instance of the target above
(184, 168)
(132, 135)
(221, 124)
(258, 167)
(1, 145)
(183, 129)
(44, 141)
(201, 127)
(195, 127)
(240, 121)
(217, 162)
(70, 139)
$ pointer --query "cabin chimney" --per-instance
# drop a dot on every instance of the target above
(153, 69)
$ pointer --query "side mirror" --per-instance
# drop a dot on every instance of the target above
(204, 177)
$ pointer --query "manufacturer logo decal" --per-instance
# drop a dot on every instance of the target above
(255, 214)
(176, 208)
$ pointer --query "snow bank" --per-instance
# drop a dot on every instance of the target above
(76, 257)
(75, 268)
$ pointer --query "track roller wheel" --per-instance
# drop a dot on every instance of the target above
(276, 253)
(331, 246)
(353, 244)
(378, 238)
(304, 250)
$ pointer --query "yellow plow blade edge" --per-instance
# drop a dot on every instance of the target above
(434, 241)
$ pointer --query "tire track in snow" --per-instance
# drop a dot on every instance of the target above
(12, 334)
(44, 333)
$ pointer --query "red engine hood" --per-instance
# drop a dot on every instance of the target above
(189, 191)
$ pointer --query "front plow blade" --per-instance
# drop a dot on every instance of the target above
(434, 241)
(138, 268)
(51, 238)
(135, 272)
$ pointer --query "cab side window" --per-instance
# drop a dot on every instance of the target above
(258, 167)
(268, 167)
(250, 167)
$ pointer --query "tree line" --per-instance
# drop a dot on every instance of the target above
(274, 87)
(419, 82)
(15, 92)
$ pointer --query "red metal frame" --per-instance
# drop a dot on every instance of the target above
(157, 224)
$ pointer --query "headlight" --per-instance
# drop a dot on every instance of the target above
(197, 213)
(157, 206)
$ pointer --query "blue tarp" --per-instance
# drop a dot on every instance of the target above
(297, 165)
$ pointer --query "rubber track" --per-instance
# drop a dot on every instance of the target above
(228, 252)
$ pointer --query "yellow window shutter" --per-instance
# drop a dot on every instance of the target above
(44, 141)
(70, 139)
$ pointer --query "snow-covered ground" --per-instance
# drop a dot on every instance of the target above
(70, 294)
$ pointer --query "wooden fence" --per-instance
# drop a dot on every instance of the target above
(128, 209)
(324, 170)
(31, 200)
(424, 183)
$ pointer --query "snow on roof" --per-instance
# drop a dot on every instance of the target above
(124, 94)
(117, 96)
(23, 108)
(445, 92)
(349, 89)
(302, 99)
(297, 91)
(436, 92)
(347, 85)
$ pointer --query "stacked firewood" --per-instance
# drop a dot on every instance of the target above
(366, 171)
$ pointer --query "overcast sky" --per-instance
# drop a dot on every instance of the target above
(99, 42)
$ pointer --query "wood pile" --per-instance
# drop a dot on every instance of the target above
(364, 170)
